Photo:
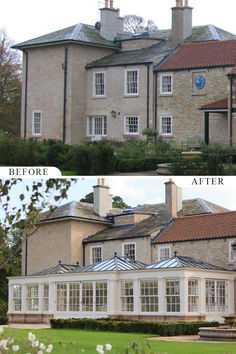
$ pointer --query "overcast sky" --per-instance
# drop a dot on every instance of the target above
(149, 190)
(26, 19)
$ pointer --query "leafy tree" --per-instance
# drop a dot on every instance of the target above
(33, 199)
(138, 25)
(88, 198)
(117, 202)
(10, 86)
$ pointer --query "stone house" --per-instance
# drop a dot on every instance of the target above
(89, 82)
(201, 81)
(93, 232)
(187, 246)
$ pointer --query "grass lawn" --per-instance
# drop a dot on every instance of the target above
(88, 340)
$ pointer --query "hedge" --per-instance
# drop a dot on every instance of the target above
(3, 320)
(134, 326)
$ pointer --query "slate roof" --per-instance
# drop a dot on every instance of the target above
(199, 34)
(76, 210)
(77, 33)
(58, 269)
(190, 207)
(201, 55)
(156, 52)
(199, 227)
(182, 262)
(216, 105)
(154, 223)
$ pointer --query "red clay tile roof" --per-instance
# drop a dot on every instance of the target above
(232, 71)
(201, 55)
(220, 104)
(199, 227)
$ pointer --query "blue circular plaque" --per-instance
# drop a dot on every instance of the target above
(199, 82)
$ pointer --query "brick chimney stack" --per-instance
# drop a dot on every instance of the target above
(181, 22)
(173, 197)
(102, 200)
(111, 22)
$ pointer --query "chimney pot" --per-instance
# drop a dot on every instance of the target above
(186, 3)
(98, 181)
(111, 4)
(179, 3)
(103, 182)
(106, 3)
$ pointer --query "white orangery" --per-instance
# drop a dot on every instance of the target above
(179, 288)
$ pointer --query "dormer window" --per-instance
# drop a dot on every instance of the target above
(166, 84)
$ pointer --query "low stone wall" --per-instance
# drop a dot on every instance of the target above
(29, 318)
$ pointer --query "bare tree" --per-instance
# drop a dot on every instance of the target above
(138, 25)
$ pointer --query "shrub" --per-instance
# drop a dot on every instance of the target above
(3, 312)
(215, 156)
(94, 158)
(134, 326)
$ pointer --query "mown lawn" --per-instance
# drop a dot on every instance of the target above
(88, 341)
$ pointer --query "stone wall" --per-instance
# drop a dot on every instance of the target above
(143, 249)
(54, 241)
(215, 251)
(129, 219)
(184, 104)
(138, 43)
(46, 89)
(116, 100)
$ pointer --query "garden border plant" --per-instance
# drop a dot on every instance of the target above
(134, 326)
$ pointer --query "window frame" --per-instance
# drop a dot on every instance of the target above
(172, 296)
(149, 296)
(125, 125)
(161, 126)
(63, 300)
(87, 291)
(41, 122)
(32, 300)
(17, 298)
(104, 125)
(102, 295)
(191, 296)
(46, 298)
(214, 308)
(126, 83)
(91, 253)
(231, 260)
(159, 252)
(126, 304)
(127, 244)
(162, 92)
(95, 95)
(74, 296)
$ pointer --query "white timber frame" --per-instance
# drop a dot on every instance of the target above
(114, 280)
